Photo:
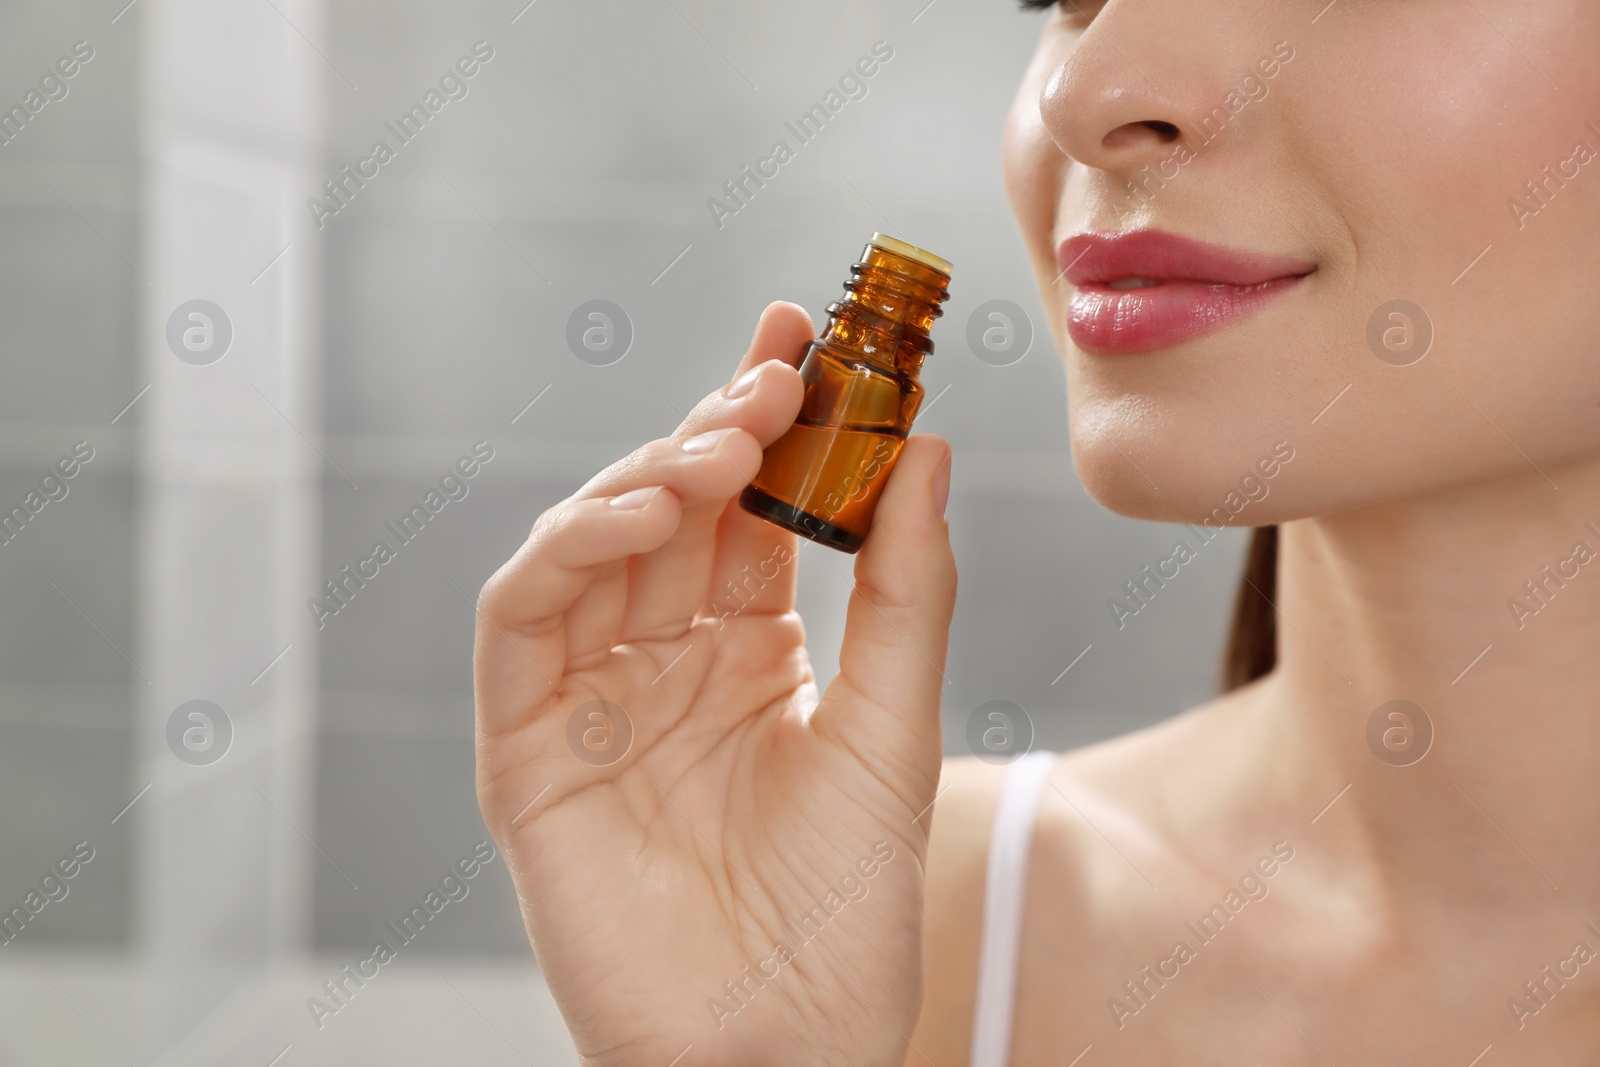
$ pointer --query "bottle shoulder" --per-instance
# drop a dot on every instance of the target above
(838, 359)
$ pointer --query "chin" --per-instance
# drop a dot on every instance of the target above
(1161, 470)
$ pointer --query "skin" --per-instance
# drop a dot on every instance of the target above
(1415, 906)
(744, 799)
(1418, 898)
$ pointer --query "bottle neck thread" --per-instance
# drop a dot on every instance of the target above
(887, 309)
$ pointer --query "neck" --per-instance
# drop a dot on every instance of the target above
(1481, 606)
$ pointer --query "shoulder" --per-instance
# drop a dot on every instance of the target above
(1108, 817)
(958, 852)
(1137, 835)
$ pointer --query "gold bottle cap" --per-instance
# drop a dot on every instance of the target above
(911, 252)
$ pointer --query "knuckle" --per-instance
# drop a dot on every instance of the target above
(881, 596)
(488, 591)
(492, 597)
(551, 525)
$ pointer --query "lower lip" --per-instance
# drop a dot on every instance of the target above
(1103, 319)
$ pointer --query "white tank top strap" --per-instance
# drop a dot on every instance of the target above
(1004, 895)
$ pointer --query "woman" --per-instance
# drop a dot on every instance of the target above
(1357, 235)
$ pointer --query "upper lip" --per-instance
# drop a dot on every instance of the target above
(1091, 258)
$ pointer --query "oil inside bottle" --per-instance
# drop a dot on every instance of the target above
(824, 476)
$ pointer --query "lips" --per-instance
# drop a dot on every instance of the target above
(1145, 290)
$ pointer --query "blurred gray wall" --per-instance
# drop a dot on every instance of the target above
(577, 167)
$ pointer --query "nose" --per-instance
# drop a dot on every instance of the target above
(1104, 112)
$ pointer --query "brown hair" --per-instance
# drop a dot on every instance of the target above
(1253, 637)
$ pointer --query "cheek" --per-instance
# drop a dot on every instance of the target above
(1422, 144)
(1428, 147)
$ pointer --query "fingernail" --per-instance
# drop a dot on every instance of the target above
(941, 485)
(742, 384)
(635, 498)
(705, 442)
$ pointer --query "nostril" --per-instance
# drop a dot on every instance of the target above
(1132, 134)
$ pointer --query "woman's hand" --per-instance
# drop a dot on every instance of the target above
(712, 863)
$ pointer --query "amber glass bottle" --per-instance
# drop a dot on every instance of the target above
(822, 478)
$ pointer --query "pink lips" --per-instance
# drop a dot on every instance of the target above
(1199, 287)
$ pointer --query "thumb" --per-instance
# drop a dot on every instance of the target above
(884, 703)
